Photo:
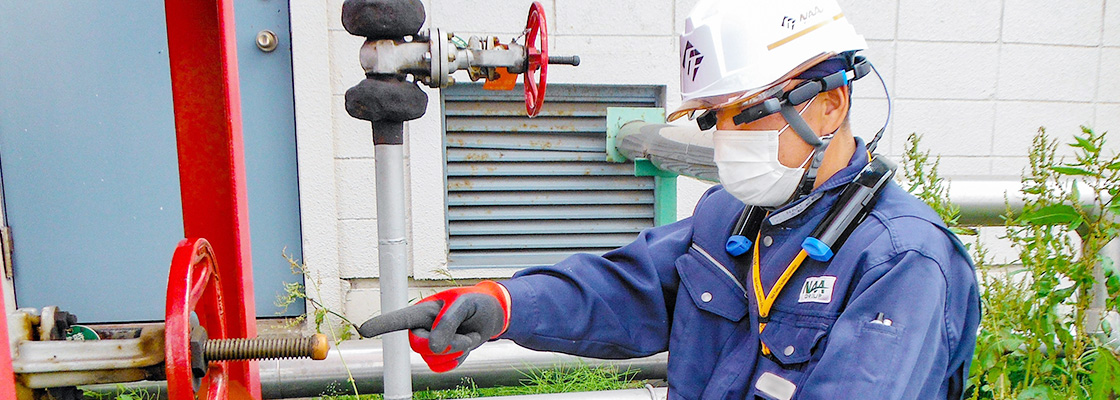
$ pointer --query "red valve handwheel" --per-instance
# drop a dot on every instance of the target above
(193, 286)
(536, 28)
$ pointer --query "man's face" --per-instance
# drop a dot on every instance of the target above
(821, 114)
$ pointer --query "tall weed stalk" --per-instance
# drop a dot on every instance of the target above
(1039, 338)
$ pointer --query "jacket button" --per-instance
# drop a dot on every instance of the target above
(706, 297)
(767, 241)
(788, 351)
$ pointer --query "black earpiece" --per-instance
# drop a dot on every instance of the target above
(706, 120)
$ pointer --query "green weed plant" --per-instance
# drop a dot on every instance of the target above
(578, 378)
(335, 325)
(1038, 338)
(122, 393)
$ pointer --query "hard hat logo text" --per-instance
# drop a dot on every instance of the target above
(690, 60)
(789, 22)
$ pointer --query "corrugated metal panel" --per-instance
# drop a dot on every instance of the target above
(521, 183)
(550, 198)
(637, 210)
(524, 192)
(556, 109)
(505, 168)
(558, 126)
(467, 154)
(539, 241)
(553, 226)
(543, 141)
(514, 259)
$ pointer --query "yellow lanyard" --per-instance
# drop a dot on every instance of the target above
(765, 301)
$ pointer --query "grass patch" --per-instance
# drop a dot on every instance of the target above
(122, 393)
(580, 378)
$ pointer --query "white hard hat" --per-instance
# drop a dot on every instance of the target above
(736, 51)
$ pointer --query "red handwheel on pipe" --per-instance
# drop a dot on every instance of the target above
(193, 287)
(197, 346)
(536, 68)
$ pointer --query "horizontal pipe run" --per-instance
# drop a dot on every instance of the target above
(646, 393)
(984, 202)
(498, 363)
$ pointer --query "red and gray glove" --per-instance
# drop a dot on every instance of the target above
(446, 326)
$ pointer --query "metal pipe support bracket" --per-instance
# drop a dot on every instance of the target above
(619, 116)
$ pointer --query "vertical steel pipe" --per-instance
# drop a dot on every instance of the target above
(204, 86)
(1098, 310)
(392, 251)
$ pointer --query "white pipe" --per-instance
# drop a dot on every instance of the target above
(646, 393)
(392, 251)
(982, 201)
(1097, 310)
(498, 363)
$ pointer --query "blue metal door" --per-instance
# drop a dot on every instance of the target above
(88, 158)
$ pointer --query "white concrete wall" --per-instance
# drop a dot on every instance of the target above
(976, 78)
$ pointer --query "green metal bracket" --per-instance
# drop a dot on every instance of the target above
(643, 167)
(665, 191)
(618, 116)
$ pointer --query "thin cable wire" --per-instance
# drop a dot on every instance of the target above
(879, 135)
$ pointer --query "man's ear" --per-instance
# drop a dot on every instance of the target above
(834, 111)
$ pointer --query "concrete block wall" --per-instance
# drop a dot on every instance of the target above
(975, 78)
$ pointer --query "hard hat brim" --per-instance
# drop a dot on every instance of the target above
(747, 97)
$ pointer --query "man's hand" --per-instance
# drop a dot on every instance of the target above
(446, 326)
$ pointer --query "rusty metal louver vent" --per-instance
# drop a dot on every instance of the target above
(523, 192)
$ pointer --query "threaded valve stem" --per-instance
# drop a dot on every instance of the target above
(314, 347)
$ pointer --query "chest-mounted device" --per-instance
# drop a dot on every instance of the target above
(850, 210)
(853, 206)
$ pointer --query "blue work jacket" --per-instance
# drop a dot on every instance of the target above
(893, 315)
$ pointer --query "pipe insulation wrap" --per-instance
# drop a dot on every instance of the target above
(685, 150)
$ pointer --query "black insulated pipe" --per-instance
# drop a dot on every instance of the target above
(383, 19)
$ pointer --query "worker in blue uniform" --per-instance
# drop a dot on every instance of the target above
(743, 312)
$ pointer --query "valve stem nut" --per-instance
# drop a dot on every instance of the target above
(319, 347)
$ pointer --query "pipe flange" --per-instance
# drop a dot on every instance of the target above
(438, 48)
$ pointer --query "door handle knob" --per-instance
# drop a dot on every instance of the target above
(267, 41)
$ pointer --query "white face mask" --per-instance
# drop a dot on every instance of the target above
(749, 168)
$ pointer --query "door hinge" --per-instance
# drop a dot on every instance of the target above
(6, 245)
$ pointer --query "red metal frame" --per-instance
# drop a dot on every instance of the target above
(200, 37)
(7, 375)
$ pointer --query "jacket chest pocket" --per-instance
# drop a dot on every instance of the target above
(711, 287)
(794, 342)
(710, 317)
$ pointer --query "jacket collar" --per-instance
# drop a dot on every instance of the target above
(806, 206)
